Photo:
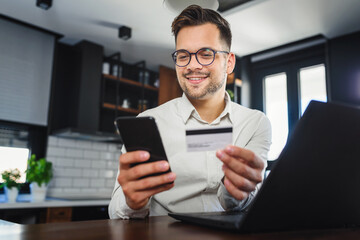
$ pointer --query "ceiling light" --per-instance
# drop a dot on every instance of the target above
(124, 32)
(177, 6)
(44, 4)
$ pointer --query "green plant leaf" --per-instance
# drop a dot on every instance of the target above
(39, 171)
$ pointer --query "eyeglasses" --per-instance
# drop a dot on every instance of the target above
(204, 56)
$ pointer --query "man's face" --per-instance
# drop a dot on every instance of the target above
(197, 81)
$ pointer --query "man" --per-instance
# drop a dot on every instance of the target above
(200, 181)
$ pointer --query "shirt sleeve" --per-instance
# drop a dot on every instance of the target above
(118, 207)
(260, 145)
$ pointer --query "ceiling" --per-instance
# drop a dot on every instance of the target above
(256, 26)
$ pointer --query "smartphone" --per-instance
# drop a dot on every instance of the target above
(141, 133)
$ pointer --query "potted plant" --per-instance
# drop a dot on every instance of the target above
(11, 178)
(38, 174)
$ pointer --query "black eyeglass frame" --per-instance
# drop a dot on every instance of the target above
(196, 57)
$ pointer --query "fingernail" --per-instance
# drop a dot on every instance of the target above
(220, 153)
(163, 165)
(171, 176)
(144, 155)
(226, 182)
(229, 149)
(224, 167)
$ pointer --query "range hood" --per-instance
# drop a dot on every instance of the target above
(76, 95)
(81, 134)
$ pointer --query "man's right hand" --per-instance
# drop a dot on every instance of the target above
(138, 191)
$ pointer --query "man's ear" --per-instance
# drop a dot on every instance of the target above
(231, 63)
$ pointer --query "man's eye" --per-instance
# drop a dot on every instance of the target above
(206, 55)
(182, 57)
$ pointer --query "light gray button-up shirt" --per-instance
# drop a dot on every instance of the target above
(198, 186)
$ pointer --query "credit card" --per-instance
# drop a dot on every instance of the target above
(208, 139)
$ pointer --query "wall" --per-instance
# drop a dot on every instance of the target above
(82, 169)
(344, 69)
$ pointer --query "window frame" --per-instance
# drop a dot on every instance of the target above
(290, 63)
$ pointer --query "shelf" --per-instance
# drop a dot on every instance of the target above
(113, 106)
(130, 82)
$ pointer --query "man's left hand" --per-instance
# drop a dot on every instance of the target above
(243, 170)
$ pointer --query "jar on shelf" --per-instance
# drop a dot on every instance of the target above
(141, 76)
(146, 78)
(106, 68)
(117, 70)
(142, 104)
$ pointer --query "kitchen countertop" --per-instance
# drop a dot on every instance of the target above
(56, 202)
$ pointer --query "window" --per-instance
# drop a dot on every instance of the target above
(312, 85)
(276, 108)
(14, 148)
(13, 157)
(284, 81)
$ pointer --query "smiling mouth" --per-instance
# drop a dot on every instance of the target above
(196, 79)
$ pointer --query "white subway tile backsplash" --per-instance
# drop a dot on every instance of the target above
(89, 190)
(62, 182)
(98, 164)
(106, 192)
(75, 191)
(96, 182)
(112, 165)
(81, 163)
(110, 183)
(52, 141)
(68, 172)
(99, 146)
(53, 160)
(84, 144)
(92, 173)
(114, 147)
(75, 153)
(91, 154)
(55, 151)
(107, 156)
(82, 168)
(55, 191)
(81, 182)
(65, 162)
(107, 173)
(64, 142)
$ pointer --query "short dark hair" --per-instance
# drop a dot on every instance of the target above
(195, 15)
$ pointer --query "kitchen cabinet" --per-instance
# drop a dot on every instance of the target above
(169, 86)
(59, 214)
(54, 211)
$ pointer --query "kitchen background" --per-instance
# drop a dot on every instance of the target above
(65, 74)
(83, 169)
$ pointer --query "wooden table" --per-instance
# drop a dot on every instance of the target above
(154, 228)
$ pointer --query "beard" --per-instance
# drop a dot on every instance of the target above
(197, 92)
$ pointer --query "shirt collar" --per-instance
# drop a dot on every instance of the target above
(186, 109)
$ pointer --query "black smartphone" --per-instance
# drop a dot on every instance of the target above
(141, 133)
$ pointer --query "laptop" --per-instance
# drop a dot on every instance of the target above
(315, 182)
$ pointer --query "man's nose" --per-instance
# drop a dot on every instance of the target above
(194, 64)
